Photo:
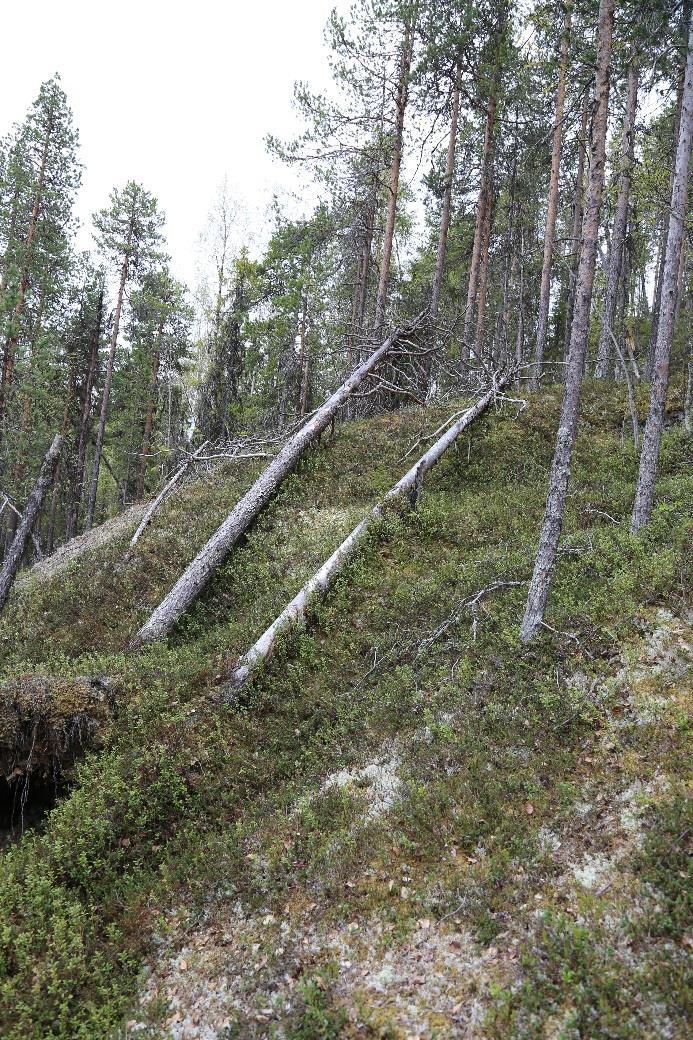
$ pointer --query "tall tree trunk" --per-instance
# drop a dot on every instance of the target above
(198, 573)
(483, 273)
(149, 416)
(447, 201)
(67, 408)
(98, 448)
(649, 457)
(664, 238)
(84, 432)
(616, 265)
(483, 203)
(13, 558)
(400, 110)
(552, 206)
(578, 211)
(567, 430)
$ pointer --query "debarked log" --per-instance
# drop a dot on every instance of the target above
(246, 511)
(406, 490)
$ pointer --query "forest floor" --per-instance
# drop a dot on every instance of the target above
(412, 826)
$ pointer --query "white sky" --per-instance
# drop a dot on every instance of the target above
(174, 95)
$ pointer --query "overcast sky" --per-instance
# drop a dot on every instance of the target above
(174, 95)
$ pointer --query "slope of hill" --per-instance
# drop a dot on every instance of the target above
(411, 825)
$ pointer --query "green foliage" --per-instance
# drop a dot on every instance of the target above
(186, 799)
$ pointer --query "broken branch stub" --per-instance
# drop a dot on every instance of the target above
(407, 489)
(198, 573)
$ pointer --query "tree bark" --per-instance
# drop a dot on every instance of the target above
(149, 417)
(400, 110)
(616, 266)
(567, 430)
(92, 366)
(198, 573)
(304, 393)
(16, 551)
(447, 201)
(578, 211)
(485, 193)
(661, 259)
(649, 457)
(407, 491)
(98, 449)
(552, 206)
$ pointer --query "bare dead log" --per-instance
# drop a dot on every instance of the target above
(14, 556)
(406, 490)
(198, 573)
(7, 503)
(164, 493)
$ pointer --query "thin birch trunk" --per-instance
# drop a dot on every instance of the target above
(567, 430)
(649, 457)
(407, 491)
(14, 556)
(616, 264)
(552, 206)
(304, 392)
(198, 573)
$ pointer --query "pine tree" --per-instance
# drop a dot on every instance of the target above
(128, 236)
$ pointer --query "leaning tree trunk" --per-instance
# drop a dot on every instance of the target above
(98, 449)
(400, 109)
(198, 573)
(567, 430)
(649, 457)
(552, 206)
(618, 237)
(23, 533)
(406, 490)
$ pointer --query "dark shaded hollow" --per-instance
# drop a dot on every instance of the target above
(25, 799)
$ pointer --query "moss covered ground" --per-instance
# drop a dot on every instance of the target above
(189, 815)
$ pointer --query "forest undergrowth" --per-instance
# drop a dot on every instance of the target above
(184, 810)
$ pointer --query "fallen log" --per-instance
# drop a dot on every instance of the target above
(198, 573)
(407, 490)
(164, 493)
(11, 563)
